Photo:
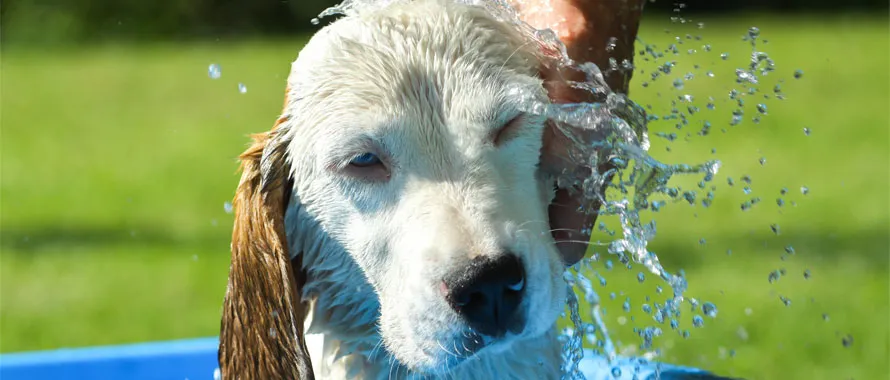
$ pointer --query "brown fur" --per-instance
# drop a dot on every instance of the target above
(261, 333)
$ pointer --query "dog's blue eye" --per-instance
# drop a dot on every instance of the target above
(365, 159)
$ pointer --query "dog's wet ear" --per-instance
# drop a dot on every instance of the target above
(261, 335)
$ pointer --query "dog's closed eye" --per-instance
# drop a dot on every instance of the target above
(367, 166)
(509, 130)
(365, 160)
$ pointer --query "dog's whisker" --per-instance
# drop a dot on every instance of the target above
(392, 366)
(444, 349)
(376, 348)
(589, 243)
(527, 222)
(520, 47)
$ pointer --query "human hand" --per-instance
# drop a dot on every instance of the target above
(587, 28)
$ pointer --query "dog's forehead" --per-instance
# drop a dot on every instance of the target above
(454, 58)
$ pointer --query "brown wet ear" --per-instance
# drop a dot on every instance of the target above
(261, 335)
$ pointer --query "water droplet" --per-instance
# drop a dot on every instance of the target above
(775, 228)
(701, 25)
(806, 274)
(743, 76)
(789, 249)
(774, 276)
(698, 321)
(273, 333)
(315, 21)
(610, 45)
(616, 372)
(825, 317)
(798, 74)
(228, 207)
(753, 32)
(761, 108)
(194, 257)
(785, 300)
(780, 202)
(678, 84)
(242, 88)
(641, 277)
(847, 341)
(806, 131)
(626, 305)
(709, 309)
(214, 71)
(736, 118)
(804, 190)
(746, 190)
(217, 375)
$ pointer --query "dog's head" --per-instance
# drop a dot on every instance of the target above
(405, 147)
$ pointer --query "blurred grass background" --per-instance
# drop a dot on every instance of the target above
(117, 158)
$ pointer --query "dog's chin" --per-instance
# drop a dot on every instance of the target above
(461, 349)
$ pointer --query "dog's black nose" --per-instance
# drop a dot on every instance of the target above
(487, 292)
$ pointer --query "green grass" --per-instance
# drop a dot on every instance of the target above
(116, 162)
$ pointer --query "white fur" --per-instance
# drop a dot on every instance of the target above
(423, 84)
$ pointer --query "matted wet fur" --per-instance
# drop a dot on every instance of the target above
(261, 334)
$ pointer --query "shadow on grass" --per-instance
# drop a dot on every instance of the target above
(54, 239)
(678, 252)
(869, 245)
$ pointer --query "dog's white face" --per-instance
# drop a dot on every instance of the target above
(409, 152)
